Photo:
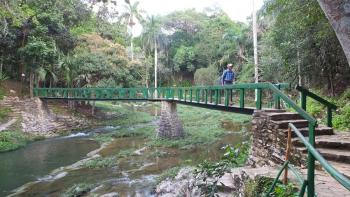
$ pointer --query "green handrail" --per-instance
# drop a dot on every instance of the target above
(306, 93)
(289, 101)
(328, 167)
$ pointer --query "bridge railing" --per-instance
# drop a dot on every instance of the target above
(305, 183)
(306, 93)
(215, 95)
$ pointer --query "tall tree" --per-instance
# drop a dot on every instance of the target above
(132, 14)
(152, 37)
(338, 13)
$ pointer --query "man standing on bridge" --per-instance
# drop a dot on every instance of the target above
(228, 76)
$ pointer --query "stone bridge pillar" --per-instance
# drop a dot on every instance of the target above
(169, 125)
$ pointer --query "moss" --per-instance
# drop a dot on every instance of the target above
(11, 140)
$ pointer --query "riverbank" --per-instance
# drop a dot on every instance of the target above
(26, 120)
(131, 159)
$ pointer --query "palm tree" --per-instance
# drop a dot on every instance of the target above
(132, 13)
(152, 38)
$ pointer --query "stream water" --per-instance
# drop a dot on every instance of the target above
(133, 175)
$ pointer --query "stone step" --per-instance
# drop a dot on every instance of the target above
(325, 138)
(284, 116)
(322, 130)
(343, 168)
(342, 156)
(283, 124)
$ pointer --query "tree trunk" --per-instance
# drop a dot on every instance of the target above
(1, 62)
(338, 13)
(155, 66)
(300, 80)
(93, 108)
(31, 84)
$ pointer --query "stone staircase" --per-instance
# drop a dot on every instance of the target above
(12, 103)
(334, 147)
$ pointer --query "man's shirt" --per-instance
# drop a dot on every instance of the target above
(228, 75)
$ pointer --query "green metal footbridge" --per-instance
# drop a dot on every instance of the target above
(234, 98)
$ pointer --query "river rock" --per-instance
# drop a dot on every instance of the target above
(113, 194)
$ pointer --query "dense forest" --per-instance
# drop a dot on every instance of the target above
(74, 43)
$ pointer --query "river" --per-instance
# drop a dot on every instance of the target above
(38, 166)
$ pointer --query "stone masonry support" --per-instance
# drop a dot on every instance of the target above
(169, 125)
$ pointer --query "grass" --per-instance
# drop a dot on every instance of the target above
(168, 173)
(196, 130)
(124, 114)
(4, 114)
(11, 140)
(2, 92)
(201, 126)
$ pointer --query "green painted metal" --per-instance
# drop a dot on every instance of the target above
(330, 106)
(303, 188)
(329, 117)
(277, 98)
(241, 98)
(292, 104)
(303, 100)
(328, 167)
(311, 162)
(258, 98)
(285, 165)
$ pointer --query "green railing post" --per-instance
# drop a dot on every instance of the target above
(311, 163)
(191, 95)
(277, 98)
(303, 188)
(241, 98)
(226, 95)
(216, 96)
(258, 98)
(206, 96)
(197, 95)
(329, 116)
(303, 100)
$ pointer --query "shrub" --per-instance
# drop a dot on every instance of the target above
(206, 76)
(10, 140)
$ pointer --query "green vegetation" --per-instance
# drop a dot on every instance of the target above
(212, 172)
(2, 92)
(78, 190)
(198, 131)
(261, 185)
(168, 173)
(11, 140)
(4, 113)
(341, 117)
(124, 114)
(101, 162)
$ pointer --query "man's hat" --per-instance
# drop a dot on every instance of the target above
(229, 65)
